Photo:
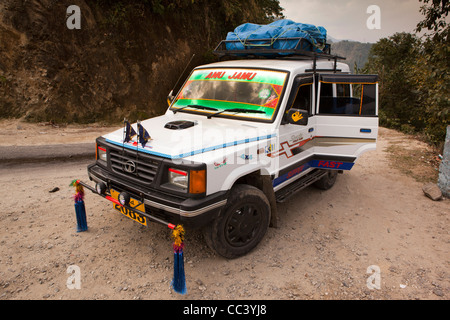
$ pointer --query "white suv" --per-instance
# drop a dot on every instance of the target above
(240, 136)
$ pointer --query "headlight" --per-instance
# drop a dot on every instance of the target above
(124, 198)
(101, 154)
(100, 187)
(192, 181)
(179, 178)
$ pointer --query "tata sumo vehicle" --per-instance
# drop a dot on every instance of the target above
(241, 135)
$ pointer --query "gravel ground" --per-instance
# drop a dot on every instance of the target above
(375, 221)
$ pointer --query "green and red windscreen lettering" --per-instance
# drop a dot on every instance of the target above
(224, 89)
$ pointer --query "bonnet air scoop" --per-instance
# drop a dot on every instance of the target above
(179, 124)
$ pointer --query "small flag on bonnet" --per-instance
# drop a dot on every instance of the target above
(143, 135)
(129, 131)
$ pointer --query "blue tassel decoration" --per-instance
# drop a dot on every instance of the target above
(81, 216)
(179, 279)
(80, 210)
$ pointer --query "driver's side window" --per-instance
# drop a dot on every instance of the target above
(303, 99)
(301, 96)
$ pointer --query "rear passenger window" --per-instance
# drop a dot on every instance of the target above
(343, 90)
(367, 92)
(348, 95)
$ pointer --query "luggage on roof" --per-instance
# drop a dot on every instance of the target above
(280, 35)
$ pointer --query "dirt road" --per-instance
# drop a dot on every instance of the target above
(376, 218)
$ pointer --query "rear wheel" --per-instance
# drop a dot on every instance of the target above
(241, 224)
(327, 181)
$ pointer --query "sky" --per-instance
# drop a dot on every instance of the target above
(347, 19)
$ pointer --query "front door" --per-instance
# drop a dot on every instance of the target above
(295, 145)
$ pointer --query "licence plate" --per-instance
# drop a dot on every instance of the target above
(128, 213)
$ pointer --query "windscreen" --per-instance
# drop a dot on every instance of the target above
(226, 89)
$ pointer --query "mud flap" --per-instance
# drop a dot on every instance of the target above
(267, 188)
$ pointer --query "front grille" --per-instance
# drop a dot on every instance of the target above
(135, 165)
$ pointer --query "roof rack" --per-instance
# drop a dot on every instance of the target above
(263, 48)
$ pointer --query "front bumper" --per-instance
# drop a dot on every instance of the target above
(162, 207)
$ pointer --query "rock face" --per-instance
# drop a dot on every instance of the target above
(99, 72)
(444, 169)
(122, 62)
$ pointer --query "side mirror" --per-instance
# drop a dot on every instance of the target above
(297, 116)
(170, 98)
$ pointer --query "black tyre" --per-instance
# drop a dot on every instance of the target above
(327, 181)
(241, 224)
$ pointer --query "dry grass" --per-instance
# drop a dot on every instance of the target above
(415, 159)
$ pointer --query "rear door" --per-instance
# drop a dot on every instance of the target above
(346, 118)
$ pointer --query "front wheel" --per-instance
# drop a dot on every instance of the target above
(241, 224)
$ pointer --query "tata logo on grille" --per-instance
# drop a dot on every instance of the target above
(129, 167)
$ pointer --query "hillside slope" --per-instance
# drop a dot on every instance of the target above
(354, 52)
(123, 61)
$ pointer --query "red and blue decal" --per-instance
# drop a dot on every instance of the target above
(322, 164)
(337, 165)
(289, 150)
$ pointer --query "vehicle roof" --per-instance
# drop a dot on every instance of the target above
(291, 65)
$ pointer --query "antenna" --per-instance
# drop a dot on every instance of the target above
(170, 97)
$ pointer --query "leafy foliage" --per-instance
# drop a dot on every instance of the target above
(435, 19)
(235, 12)
(414, 79)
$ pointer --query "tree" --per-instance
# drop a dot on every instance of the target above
(391, 58)
(414, 78)
(432, 68)
(435, 19)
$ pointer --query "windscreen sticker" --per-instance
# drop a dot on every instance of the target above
(213, 90)
(272, 103)
(277, 88)
(263, 76)
(274, 96)
(264, 93)
(243, 76)
(215, 75)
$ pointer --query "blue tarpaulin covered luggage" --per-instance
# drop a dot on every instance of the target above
(281, 34)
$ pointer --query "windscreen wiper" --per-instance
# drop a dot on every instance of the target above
(195, 106)
(238, 110)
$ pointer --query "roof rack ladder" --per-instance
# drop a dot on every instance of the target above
(315, 64)
(335, 64)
